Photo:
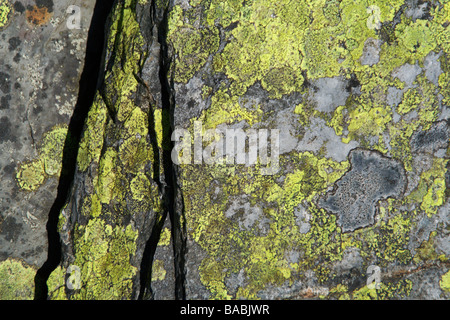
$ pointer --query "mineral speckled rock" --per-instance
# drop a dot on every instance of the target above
(344, 107)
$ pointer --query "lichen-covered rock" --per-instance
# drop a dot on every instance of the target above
(331, 76)
(260, 150)
(41, 60)
(116, 200)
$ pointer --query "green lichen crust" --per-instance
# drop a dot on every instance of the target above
(119, 201)
(6, 11)
(262, 65)
(16, 280)
(32, 174)
(259, 232)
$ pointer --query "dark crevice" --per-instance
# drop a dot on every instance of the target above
(171, 195)
(90, 77)
(146, 292)
(145, 271)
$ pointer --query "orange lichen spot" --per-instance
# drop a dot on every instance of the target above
(38, 16)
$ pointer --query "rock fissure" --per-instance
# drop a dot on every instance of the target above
(92, 73)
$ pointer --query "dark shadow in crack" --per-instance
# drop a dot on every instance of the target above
(92, 73)
(171, 192)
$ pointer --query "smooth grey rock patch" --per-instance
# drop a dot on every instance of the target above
(407, 73)
(302, 218)
(371, 53)
(351, 259)
(189, 100)
(285, 123)
(432, 67)
(248, 217)
(319, 134)
(329, 93)
(394, 97)
(372, 177)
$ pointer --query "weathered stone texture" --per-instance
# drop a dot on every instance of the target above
(41, 60)
(357, 95)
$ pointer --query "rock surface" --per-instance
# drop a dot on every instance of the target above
(41, 59)
(237, 150)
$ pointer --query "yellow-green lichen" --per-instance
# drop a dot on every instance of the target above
(392, 240)
(430, 193)
(391, 290)
(51, 151)
(193, 47)
(158, 271)
(31, 175)
(126, 41)
(56, 284)
(410, 42)
(158, 127)
(115, 158)
(103, 255)
(5, 13)
(92, 141)
(368, 121)
(445, 282)
(135, 151)
(164, 239)
(265, 44)
(427, 250)
(261, 255)
(228, 109)
(16, 280)
(92, 206)
(108, 186)
(141, 188)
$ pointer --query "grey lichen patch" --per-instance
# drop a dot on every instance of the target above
(372, 177)
(6, 132)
